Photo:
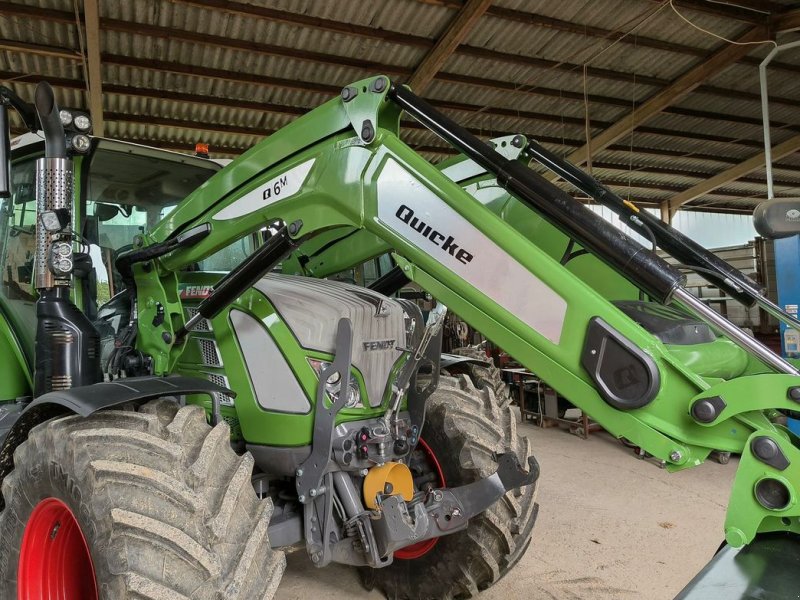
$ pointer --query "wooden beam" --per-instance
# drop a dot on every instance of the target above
(671, 94)
(743, 168)
(39, 50)
(22, 11)
(91, 17)
(787, 21)
(456, 32)
(444, 105)
(665, 214)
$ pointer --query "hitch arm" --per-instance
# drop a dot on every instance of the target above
(448, 510)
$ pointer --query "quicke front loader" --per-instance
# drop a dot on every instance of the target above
(163, 442)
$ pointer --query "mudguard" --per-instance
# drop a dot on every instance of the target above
(16, 421)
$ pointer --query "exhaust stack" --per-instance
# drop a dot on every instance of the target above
(67, 344)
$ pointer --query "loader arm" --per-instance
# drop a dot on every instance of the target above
(343, 171)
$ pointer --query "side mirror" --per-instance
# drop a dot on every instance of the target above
(105, 212)
(779, 218)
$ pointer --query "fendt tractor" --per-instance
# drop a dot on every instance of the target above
(186, 389)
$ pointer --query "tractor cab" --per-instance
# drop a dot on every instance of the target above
(121, 190)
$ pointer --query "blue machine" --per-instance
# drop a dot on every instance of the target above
(787, 272)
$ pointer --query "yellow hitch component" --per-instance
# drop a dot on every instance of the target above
(390, 479)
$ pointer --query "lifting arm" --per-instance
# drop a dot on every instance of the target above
(343, 171)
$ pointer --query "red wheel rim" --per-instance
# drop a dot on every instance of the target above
(54, 562)
(422, 548)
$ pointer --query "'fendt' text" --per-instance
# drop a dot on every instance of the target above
(406, 215)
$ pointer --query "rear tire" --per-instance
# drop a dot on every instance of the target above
(463, 427)
(485, 375)
(166, 507)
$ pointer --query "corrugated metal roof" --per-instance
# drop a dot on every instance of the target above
(175, 71)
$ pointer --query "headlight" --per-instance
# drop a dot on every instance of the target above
(65, 117)
(82, 123)
(334, 384)
(81, 143)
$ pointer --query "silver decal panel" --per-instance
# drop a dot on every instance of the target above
(417, 214)
(274, 384)
(281, 187)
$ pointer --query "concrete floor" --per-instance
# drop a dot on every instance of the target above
(610, 526)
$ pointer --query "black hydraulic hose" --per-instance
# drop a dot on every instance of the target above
(669, 239)
(55, 144)
(654, 275)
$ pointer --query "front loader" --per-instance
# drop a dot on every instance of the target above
(227, 400)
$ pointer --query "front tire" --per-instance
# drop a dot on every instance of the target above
(464, 426)
(164, 505)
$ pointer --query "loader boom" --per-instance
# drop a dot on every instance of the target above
(341, 173)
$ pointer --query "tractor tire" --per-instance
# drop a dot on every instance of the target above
(464, 426)
(147, 504)
(485, 375)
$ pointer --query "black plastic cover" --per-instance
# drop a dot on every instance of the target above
(626, 377)
(67, 344)
(670, 325)
(766, 569)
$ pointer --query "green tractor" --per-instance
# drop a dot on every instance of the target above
(185, 392)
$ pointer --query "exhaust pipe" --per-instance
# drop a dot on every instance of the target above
(67, 344)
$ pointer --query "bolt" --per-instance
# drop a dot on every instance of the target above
(312, 492)
(315, 557)
(294, 227)
(794, 394)
(517, 141)
(675, 456)
(704, 411)
(765, 448)
(299, 472)
(379, 85)
(593, 352)
(364, 472)
(301, 499)
(349, 93)
(167, 337)
(406, 268)
(456, 512)
(367, 132)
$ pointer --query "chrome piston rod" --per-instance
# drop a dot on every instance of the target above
(735, 334)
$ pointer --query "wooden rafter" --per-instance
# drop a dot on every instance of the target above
(91, 17)
(783, 149)
(671, 94)
(293, 110)
(456, 32)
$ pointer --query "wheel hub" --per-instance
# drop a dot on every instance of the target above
(422, 548)
(54, 561)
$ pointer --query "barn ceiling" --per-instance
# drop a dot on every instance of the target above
(666, 110)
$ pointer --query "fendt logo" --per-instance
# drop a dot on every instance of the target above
(379, 345)
(406, 215)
